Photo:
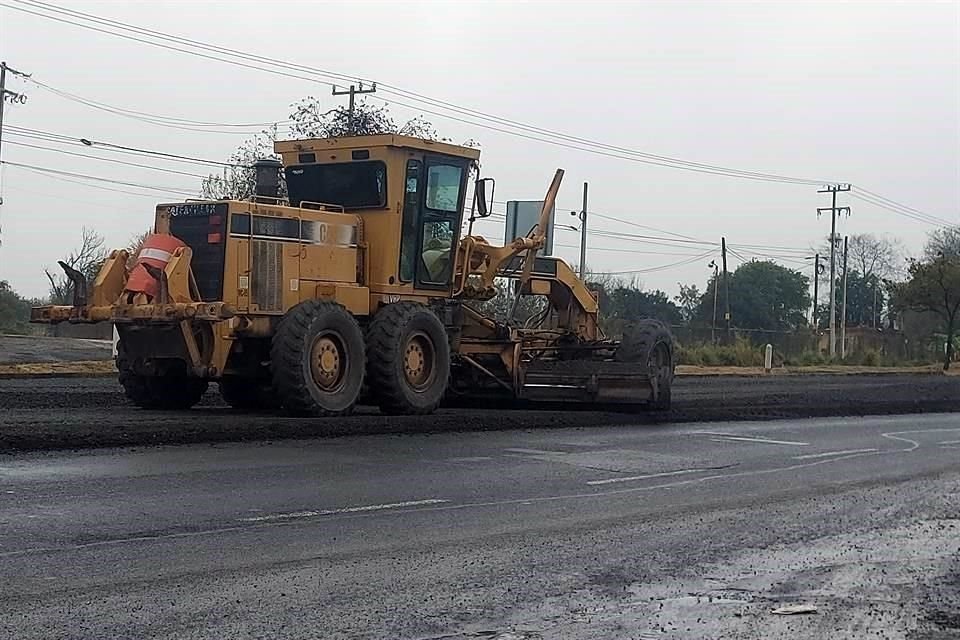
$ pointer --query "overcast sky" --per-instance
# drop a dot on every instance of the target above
(861, 92)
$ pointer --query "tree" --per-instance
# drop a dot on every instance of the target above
(934, 286)
(87, 260)
(866, 299)
(763, 295)
(14, 310)
(689, 300)
(628, 302)
(237, 181)
(308, 120)
(874, 258)
(944, 241)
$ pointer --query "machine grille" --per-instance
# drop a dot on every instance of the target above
(194, 224)
(266, 288)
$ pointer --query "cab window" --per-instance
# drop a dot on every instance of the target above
(409, 223)
(436, 251)
(443, 187)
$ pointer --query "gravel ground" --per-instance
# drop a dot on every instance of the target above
(21, 349)
(90, 412)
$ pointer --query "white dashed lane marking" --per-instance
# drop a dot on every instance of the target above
(731, 437)
(332, 512)
(827, 454)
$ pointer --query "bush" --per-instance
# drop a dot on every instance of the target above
(807, 359)
(741, 353)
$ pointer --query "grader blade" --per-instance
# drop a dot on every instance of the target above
(586, 381)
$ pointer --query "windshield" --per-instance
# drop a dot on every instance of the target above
(352, 185)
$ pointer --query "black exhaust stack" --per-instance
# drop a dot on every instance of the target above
(267, 178)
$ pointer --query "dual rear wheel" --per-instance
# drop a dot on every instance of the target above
(320, 359)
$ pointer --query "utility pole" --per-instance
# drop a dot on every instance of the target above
(834, 210)
(726, 285)
(353, 91)
(12, 96)
(873, 320)
(843, 317)
(716, 288)
(816, 289)
(583, 235)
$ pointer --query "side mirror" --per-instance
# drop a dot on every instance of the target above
(480, 196)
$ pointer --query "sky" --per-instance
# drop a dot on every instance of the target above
(860, 92)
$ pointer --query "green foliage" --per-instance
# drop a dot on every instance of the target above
(860, 301)
(934, 286)
(763, 295)
(501, 306)
(14, 310)
(688, 300)
(308, 120)
(237, 182)
(742, 353)
(808, 358)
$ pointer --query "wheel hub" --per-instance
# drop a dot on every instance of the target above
(659, 362)
(326, 362)
(418, 362)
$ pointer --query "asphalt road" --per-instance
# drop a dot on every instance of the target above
(669, 531)
(58, 413)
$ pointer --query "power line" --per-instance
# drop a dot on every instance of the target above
(597, 151)
(901, 206)
(660, 239)
(113, 160)
(55, 137)
(177, 49)
(97, 178)
(662, 267)
(622, 250)
(900, 210)
(275, 65)
(159, 120)
(90, 186)
(755, 254)
(516, 127)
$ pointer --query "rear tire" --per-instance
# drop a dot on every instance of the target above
(171, 391)
(408, 359)
(317, 359)
(650, 342)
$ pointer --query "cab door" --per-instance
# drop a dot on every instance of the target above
(443, 187)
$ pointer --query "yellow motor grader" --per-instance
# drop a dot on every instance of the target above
(358, 279)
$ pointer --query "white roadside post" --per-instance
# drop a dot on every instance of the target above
(768, 358)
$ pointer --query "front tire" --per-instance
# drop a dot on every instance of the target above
(317, 359)
(650, 342)
(168, 392)
(408, 359)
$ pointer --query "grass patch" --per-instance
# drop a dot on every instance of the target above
(42, 369)
(742, 353)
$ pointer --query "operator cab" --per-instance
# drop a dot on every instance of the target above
(410, 194)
